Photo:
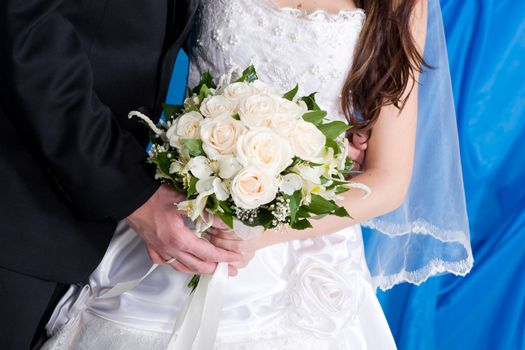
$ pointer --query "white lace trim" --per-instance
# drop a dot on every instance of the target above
(319, 15)
(435, 266)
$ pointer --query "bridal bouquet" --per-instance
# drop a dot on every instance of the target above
(255, 158)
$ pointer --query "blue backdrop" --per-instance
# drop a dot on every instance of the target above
(485, 310)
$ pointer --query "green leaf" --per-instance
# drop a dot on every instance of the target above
(194, 146)
(315, 117)
(248, 76)
(295, 203)
(335, 183)
(204, 92)
(311, 103)
(291, 94)
(301, 225)
(225, 207)
(163, 162)
(194, 282)
(170, 111)
(192, 186)
(342, 213)
(206, 79)
(264, 218)
(320, 205)
(225, 217)
(303, 212)
(334, 145)
(341, 189)
(349, 164)
(334, 129)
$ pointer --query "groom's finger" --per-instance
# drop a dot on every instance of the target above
(155, 257)
(177, 265)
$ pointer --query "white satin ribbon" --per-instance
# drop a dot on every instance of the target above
(123, 287)
(198, 322)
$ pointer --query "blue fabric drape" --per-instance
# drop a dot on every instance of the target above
(485, 310)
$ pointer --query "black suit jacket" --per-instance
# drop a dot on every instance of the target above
(71, 163)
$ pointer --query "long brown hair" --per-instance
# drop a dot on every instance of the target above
(385, 58)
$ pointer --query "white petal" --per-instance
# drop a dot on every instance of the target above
(291, 183)
(220, 190)
(176, 168)
(200, 204)
(204, 185)
(200, 167)
(228, 167)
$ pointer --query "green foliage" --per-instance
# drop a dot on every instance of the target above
(333, 129)
(290, 95)
(163, 161)
(249, 75)
(225, 217)
(301, 225)
(349, 164)
(194, 146)
(320, 205)
(315, 117)
(192, 186)
(295, 204)
(311, 103)
(171, 111)
(206, 80)
(333, 145)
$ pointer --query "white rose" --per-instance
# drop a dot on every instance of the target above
(236, 92)
(254, 110)
(291, 109)
(287, 115)
(187, 126)
(216, 105)
(324, 298)
(252, 188)
(307, 141)
(265, 149)
(219, 136)
(264, 89)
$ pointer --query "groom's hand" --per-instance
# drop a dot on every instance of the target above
(162, 227)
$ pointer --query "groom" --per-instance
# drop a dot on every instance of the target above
(71, 164)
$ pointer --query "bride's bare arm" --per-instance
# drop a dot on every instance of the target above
(389, 163)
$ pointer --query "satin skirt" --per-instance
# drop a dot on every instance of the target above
(310, 294)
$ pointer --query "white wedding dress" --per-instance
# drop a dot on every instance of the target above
(311, 294)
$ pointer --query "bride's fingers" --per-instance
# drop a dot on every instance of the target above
(228, 244)
(198, 266)
(223, 234)
(359, 141)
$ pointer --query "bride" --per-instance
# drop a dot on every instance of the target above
(295, 289)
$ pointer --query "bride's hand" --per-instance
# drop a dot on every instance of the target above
(221, 236)
(357, 150)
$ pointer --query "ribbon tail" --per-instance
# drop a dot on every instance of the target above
(197, 325)
(123, 287)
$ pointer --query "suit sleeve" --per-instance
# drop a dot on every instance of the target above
(47, 90)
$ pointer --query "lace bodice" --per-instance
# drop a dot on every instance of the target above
(286, 46)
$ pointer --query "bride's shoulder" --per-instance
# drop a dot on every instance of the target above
(419, 23)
